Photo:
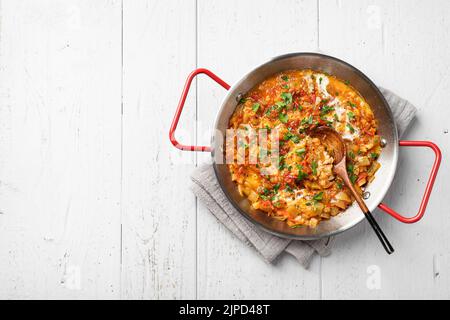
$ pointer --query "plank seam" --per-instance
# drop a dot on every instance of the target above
(318, 25)
(121, 153)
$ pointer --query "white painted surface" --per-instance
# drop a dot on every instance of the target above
(60, 117)
(226, 268)
(158, 210)
(95, 202)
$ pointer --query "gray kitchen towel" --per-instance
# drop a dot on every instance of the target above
(270, 247)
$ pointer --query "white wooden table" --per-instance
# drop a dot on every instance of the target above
(94, 201)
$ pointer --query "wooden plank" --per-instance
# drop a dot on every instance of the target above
(60, 149)
(404, 46)
(159, 253)
(233, 37)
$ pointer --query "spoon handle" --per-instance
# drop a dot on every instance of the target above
(341, 170)
(383, 239)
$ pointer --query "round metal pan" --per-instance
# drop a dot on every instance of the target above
(386, 128)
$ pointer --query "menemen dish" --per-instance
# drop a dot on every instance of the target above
(292, 178)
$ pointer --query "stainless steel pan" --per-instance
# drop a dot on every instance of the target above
(387, 130)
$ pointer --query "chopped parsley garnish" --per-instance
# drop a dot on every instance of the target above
(281, 164)
(255, 107)
(301, 174)
(290, 136)
(351, 154)
(287, 136)
(325, 110)
(276, 187)
(285, 78)
(339, 184)
(347, 82)
(320, 80)
(269, 110)
(280, 105)
(270, 194)
(242, 100)
(277, 204)
(318, 196)
(300, 152)
(283, 117)
(350, 115)
(349, 126)
(287, 97)
(314, 167)
(351, 104)
(350, 168)
(308, 120)
(285, 86)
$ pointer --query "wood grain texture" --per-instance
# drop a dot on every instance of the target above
(60, 149)
(159, 217)
(404, 46)
(233, 37)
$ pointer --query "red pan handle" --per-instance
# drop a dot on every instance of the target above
(382, 206)
(184, 94)
(429, 187)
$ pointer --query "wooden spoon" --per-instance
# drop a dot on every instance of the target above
(336, 147)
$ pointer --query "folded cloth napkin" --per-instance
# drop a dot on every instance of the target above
(270, 247)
